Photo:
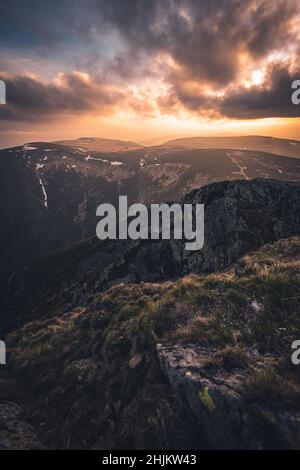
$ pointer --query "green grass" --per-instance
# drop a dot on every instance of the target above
(71, 370)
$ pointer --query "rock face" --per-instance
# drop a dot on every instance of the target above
(218, 401)
(240, 216)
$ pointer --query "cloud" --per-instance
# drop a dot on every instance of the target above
(211, 46)
(28, 98)
(207, 38)
(272, 99)
(197, 52)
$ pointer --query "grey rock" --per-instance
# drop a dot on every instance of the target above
(218, 401)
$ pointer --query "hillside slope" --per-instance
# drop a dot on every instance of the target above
(288, 147)
(200, 362)
(239, 216)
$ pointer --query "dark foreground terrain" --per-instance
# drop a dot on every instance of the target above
(200, 362)
(145, 345)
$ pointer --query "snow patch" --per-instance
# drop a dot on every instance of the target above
(93, 158)
(44, 193)
(29, 147)
(257, 307)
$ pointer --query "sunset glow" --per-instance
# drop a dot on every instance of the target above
(169, 69)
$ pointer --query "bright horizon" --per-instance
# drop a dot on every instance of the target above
(148, 142)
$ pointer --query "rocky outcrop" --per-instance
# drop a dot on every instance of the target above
(240, 216)
(219, 402)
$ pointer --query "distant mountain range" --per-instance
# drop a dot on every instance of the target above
(288, 147)
(103, 145)
(50, 191)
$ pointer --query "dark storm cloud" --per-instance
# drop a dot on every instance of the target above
(272, 99)
(207, 42)
(205, 37)
(30, 99)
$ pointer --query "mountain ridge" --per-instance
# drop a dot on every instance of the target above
(279, 146)
(50, 192)
(239, 216)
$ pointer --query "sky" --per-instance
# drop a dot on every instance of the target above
(148, 70)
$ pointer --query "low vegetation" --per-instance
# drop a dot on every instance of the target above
(90, 377)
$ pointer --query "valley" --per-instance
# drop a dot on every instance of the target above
(53, 189)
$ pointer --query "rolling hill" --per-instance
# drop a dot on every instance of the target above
(288, 147)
